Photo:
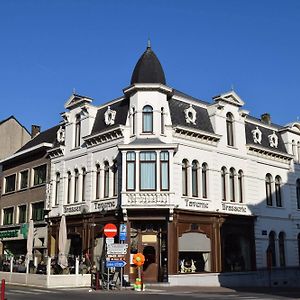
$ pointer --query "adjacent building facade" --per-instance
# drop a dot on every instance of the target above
(24, 182)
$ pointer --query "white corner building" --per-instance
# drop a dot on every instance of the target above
(203, 188)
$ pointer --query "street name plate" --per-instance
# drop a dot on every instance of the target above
(117, 248)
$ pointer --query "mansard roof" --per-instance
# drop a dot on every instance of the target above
(266, 130)
(148, 69)
(177, 110)
(120, 107)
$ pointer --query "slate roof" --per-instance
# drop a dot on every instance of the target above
(146, 141)
(181, 94)
(121, 107)
(148, 69)
(47, 136)
(265, 133)
(178, 116)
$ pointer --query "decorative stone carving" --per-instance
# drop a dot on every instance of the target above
(109, 116)
(60, 135)
(257, 135)
(190, 115)
(273, 140)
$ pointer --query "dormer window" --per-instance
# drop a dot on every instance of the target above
(148, 119)
(77, 131)
(229, 129)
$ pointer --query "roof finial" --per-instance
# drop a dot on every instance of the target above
(149, 43)
(232, 87)
(74, 91)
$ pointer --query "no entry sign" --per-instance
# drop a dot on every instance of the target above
(110, 230)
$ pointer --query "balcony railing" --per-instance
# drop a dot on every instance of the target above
(152, 199)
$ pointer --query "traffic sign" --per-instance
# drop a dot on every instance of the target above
(110, 230)
(117, 248)
(109, 240)
(123, 232)
(115, 263)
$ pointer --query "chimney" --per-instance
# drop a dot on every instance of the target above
(266, 118)
(35, 130)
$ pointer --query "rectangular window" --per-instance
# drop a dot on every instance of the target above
(8, 215)
(147, 171)
(24, 179)
(39, 174)
(38, 211)
(164, 171)
(10, 183)
(22, 214)
(130, 171)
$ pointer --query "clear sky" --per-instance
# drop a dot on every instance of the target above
(48, 48)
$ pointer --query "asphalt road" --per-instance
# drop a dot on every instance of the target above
(155, 293)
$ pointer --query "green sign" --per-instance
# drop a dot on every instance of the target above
(24, 230)
(8, 234)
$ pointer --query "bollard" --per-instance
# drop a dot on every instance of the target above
(3, 289)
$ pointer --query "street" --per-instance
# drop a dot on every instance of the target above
(157, 293)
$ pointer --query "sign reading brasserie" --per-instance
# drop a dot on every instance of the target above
(234, 208)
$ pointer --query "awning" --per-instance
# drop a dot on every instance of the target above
(194, 242)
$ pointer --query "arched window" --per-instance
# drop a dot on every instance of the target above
(241, 186)
(281, 238)
(83, 183)
(69, 188)
(229, 129)
(184, 177)
(294, 147)
(232, 184)
(148, 119)
(115, 178)
(223, 183)
(272, 248)
(57, 187)
(77, 131)
(298, 192)
(133, 120)
(76, 195)
(195, 168)
(278, 191)
(298, 151)
(130, 171)
(164, 171)
(269, 189)
(162, 120)
(106, 180)
(299, 248)
(204, 180)
(97, 181)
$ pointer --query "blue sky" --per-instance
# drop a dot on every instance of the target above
(48, 48)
